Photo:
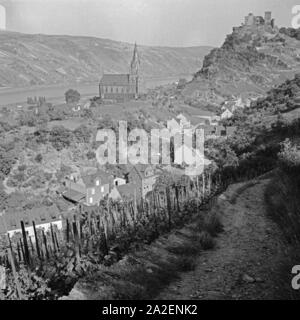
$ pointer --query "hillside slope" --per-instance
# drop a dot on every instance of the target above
(44, 59)
(250, 62)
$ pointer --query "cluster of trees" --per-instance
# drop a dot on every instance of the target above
(282, 193)
(72, 96)
(256, 143)
(60, 137)
(279, 99)
(8, 156)
(36, 101)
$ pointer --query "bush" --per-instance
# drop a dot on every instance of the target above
(72, 96)
(206, 240)
(91, 155)
(60, 138)
(38, 158)
(212, 224)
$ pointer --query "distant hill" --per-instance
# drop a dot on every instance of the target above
(251, 61)
(27, 60)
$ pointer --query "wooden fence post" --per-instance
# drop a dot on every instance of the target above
(45, 244)
(36, 240)
(26, 250)
(52, 236)
(15, 275)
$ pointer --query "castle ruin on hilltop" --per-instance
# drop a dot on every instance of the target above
(252, 22)
(267, 22)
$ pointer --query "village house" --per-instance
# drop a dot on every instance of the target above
(227, 114)
(205, 116)
(122, 87)
(173, 126)
(144, 178)
(187, 122)
(214, 132)
(184, 122)
(89, 188)
(43, 217)
(118, 181)
(187, 156)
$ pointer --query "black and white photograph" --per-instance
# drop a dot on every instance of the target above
(149, 151)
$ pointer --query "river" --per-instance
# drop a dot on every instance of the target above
(55, 93)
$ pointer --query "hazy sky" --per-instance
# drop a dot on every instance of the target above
(152, 22)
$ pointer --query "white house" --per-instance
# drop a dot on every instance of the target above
(184, 122)
(119, 181)
(227, 114)
(173, 126)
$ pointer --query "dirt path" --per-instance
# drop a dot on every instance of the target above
(251, 259)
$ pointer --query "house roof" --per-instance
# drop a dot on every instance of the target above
(127, 190)
(12, 220)
(199, 121)
(230, 130)
(115, 79)
(90, 179)
(201, 113)
(73, 195)
(230, 105)
(141, 169)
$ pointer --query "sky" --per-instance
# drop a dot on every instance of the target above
(179, 23)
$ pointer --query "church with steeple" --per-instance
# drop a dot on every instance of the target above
(122, 87)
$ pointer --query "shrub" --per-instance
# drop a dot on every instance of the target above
(22, 167)
(206, 240)
(90, 155)
(212, 224)
(38, 158)
(60, 137)
(72, 96)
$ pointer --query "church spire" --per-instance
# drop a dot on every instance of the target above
(135, 62)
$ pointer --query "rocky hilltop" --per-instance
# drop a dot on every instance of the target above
(27, 60)
(256, 56)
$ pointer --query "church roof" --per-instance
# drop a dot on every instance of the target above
(115, 79)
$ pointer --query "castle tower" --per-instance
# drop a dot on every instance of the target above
(134, 68)
(249, 20)
(268, 18)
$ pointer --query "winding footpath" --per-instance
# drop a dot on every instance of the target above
(252, 259)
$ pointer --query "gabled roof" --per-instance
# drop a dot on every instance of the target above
(12, 220)
(90, 179)
(115, 79)
(230, 105)
(201, 113)
(141, 169)
(199, 121)
(73, 195)
(127, 190)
